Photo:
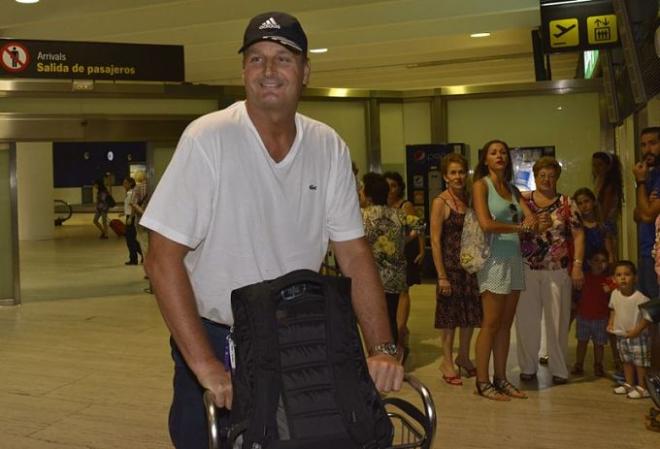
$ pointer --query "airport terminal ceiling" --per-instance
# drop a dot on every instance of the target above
(371, 44)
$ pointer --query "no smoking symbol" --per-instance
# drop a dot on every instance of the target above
(14, 57)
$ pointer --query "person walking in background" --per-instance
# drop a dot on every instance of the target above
(549, 273)
(140, 201)
(457, 293)
(129, 216)
(414, 251)
(101, 208)
(503, 215)
(386, 230)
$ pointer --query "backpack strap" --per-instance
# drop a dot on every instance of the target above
(286, 286)
(262, 426)
(344, 357)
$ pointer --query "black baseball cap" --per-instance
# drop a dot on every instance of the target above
(279, 27)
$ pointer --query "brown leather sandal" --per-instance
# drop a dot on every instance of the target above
(489, 391)
(507, 388)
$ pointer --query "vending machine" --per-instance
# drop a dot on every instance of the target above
(523, 159)
(424, 182)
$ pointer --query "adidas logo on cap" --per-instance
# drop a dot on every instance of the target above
(270, 23)
(279, 27)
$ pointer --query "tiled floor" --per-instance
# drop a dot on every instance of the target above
(84, 363)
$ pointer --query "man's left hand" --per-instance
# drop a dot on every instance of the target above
(386, 372)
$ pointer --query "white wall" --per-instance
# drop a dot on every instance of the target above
(417, 122)
(161, 157)
(348, 118)
(403, 124)
(392, 137)
(34, 175)
(571, 122)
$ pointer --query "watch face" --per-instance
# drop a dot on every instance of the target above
(387, 348)
(391, 348)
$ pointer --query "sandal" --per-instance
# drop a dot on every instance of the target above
(453, 380)
(489, 391)
(507, 388)
(469, 372)
(638, 393)
(623, 389)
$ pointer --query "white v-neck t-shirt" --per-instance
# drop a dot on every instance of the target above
(246, 217)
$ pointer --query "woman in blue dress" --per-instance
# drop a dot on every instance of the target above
(502, 215)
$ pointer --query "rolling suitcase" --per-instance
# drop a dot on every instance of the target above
(118, 227)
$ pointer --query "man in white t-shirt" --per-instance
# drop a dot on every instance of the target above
(253, 192)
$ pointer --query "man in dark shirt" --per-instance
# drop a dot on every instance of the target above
(647, 208)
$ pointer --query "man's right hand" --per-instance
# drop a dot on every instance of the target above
(386, 372)
(640, 170)
(218, 380)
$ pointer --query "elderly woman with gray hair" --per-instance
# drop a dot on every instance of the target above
(553, 261)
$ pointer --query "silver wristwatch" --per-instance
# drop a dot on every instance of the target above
(386, 348)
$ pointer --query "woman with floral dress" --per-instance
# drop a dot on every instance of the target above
(387, 230)
(414, 252)
(553, 260)
(457, 293)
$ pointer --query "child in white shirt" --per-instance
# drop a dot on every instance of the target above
(627, 324)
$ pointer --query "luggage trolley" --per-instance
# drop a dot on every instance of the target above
(413, 428)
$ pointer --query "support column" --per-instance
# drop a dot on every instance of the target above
(373, 135)
(34, 170)
(9, 272)
(439, 131)
(159, 155)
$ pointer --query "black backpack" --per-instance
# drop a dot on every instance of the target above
(300, 368)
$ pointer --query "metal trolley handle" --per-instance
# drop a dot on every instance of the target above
(211, 416)
(415, 384)
(427, 401)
